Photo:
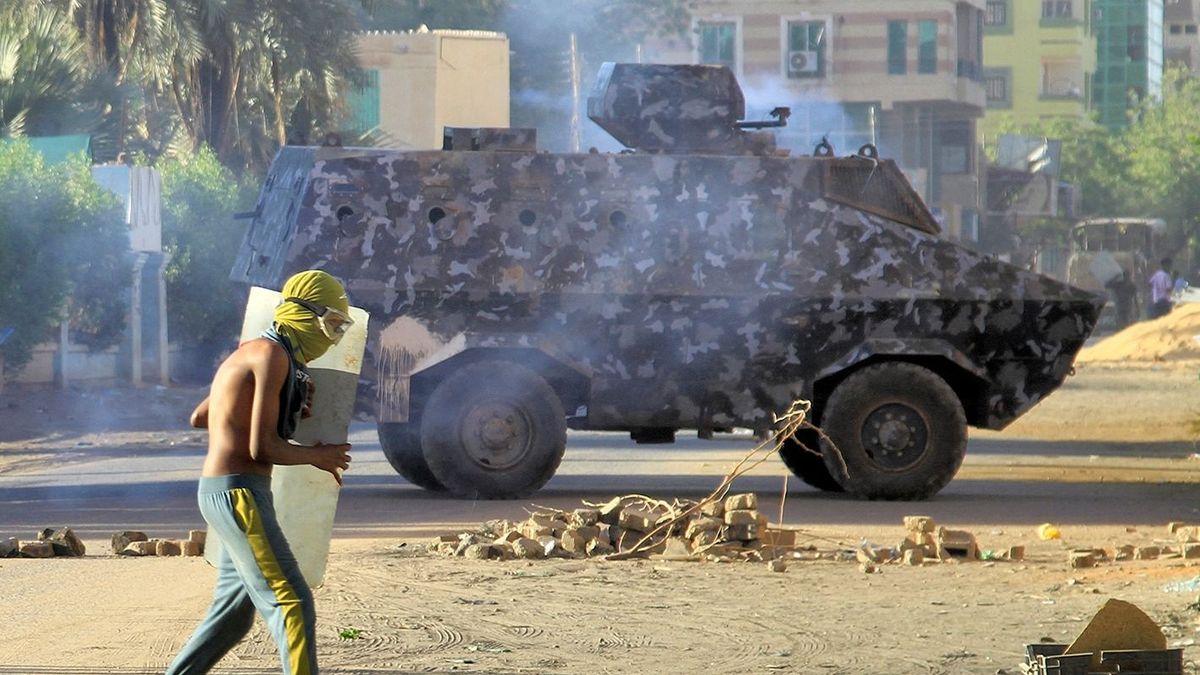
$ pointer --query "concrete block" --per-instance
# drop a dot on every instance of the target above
(914, 556)
(64, 541)
(777, 565)
(573, 541)
(714, 509)
(124, 538)
(477, 551)
(585, 517)
(1191, 550)
(1082, 559)
(957, 544)
(777, 537)
(1146, 553)
(923, 524)
(741, 532)
(741, 517)
(527, 549)
(166, 547)
(198, 536)
(37, 549)
(642, 520)
(10, 548)
(191, 548)
(599, 547)
(1015, 553)
(742, 502)
(702, 524)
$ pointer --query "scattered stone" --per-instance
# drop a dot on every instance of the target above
(641, 520)
(1081, 559)
(573, 541)
(1191, 550)
(957, 544)
(167, 547)
(741, 517)
(585, 517)
(10, 548)
(477, 551)
(37, 549)
(191, 548)
(777, 565)
(1146, 553)
(715, 509)
(610, 511)
(1187, 534)
(745, 501)
(914, 557)
(598, 547)
(867, 568)
(920, 524)
(527, 549)
(1015, 553)
(198, 537)
(64, 541)
(139, 548)
(126, 537)
(741, 532)
(702, 524)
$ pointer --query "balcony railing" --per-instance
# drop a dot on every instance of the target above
(970, 70)
(1062, 89)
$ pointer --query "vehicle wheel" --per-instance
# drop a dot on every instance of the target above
(401, 444)
(901, 430)
(808, 465)
(493, 430)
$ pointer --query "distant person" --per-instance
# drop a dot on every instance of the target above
(1179, 283)
(256, 396)
(1124, 293)
(1160, 291)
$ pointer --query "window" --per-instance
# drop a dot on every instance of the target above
(897, 47)
(996, 13)
(1057, 9)
(805, 49)
(718, 43)
(1136, 46)
(996, 85)
(1176, 29)
(954, 147)
(1190, 29)
(362, 103)
(926, 47)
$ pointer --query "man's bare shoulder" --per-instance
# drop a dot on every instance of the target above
(256, 353)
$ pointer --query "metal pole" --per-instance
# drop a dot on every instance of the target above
(576, 141)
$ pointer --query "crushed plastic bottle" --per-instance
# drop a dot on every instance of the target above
(1191, 585)
(1048, 531)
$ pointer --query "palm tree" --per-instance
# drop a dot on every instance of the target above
(43, 74)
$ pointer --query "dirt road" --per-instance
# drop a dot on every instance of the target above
(1109, 458)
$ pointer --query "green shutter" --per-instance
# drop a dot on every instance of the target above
(897, 47)
(927, 47)
(363, 103)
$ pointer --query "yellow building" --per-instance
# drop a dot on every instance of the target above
(1039, 59)
(418, 82)
(903, 74)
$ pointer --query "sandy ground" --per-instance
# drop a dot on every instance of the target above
(415, 612)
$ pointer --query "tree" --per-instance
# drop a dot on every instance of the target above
(43, 73)
(200, 197)
(63, 255)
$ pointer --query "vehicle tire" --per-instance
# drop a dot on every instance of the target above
(401, 444)
(493, 430)
(808, 465)
(901, 431)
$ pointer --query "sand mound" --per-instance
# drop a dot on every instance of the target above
(1174, 337)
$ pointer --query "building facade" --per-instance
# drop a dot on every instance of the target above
(418, 82)
(1181, 34)
(1129, 62)
(904, 75)
(1039, 59)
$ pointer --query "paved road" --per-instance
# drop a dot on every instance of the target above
(100, 490)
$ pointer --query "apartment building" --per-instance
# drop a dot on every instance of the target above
(1181, 36)
(418, 82)
(1129, 63)
(905, 75)
(1039, 59)
(1078, 59)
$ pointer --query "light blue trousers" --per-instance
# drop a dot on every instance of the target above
(256, 571)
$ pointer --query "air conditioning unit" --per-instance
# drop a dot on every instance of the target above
(802, 62)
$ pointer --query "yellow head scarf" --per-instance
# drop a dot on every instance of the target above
(298, 324)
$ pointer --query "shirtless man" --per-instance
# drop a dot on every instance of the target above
(251, 410)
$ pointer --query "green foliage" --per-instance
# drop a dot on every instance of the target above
(63, 253)
(350, 634)
(43, 73)
(200, 197)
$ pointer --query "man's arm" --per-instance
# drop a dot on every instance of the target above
(269, 370)
(199, 418)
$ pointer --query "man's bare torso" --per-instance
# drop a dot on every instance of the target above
(231, 408)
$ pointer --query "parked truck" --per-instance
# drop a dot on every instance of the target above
(701, 279)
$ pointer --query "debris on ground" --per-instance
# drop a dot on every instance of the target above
(1119, 638)
(50, 543)
(134, 543)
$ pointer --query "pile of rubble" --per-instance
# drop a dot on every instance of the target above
(1186, 545)
(129, 542)
(50, 543)
(636, 526)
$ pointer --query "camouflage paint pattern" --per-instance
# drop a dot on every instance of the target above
(687, 287)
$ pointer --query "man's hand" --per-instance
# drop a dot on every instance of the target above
(333, 458)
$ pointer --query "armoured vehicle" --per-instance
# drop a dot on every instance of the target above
(700, 279)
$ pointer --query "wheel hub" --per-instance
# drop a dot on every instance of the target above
(895, 436)
(496, 435)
